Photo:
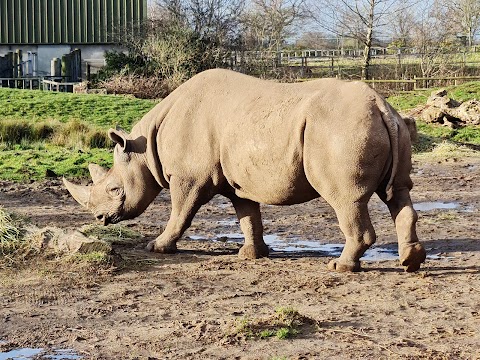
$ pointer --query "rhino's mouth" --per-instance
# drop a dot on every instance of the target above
(107, 220)
(103, 219)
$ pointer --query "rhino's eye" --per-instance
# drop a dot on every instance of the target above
(115, 191)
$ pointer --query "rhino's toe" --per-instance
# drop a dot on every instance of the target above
(337, 265)
(253, 252)
(412, 257)
(154, 246)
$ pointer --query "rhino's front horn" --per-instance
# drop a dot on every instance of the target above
(80, 193)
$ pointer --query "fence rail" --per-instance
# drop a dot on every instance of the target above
(425, 82)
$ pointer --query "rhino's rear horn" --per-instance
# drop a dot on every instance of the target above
(80, 193)
(97, 172)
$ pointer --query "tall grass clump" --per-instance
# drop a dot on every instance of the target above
(74, 134)
(16, 131)
(13, 244)
(78, 134)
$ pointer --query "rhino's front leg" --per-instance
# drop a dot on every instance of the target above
(248, 213)
(187, 197)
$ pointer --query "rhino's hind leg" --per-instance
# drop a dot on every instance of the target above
(186, 200)
(355, 224)
(412, 253)
(248, 213)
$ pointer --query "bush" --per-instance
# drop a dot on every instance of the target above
(139, 86)
(169, 54)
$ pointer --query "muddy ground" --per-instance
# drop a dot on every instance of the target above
(205, 303)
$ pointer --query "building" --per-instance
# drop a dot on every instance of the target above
(39, 31)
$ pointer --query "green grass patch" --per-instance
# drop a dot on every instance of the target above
(96, 258)
(44, 133)
(286, 323)
(407, 101)
(100, 110)
(114, 234)
(21, 163)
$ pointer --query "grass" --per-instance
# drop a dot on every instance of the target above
(14, 244)
(74, 134)
(446, 150)
(409, 101)
(285, 323)
(100, 110)
(114, 234)
(22, 163)
(95, 258)
(44, 133)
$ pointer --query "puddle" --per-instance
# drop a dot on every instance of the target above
(276, 243)
(232, 222)
(429, 206)
(30, 353)
(334, 250)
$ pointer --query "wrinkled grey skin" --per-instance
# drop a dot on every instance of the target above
(256, 141)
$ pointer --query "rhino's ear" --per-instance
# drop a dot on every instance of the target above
(119, 136)
(97, 172)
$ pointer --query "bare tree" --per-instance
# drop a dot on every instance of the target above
(431, 38)
(270, 22)
(316, 40)
(358, 19)
(215, 21)
(401, 28)
(464, 15)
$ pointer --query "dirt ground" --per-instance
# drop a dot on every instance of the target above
(205, 303)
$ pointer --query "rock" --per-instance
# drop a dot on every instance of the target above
(469, 112)
(439, 99)
(433, 114)
(441, 109)
(77, 242)
(438, 93)
(70, 242)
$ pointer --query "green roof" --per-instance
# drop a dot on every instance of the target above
(34, 22)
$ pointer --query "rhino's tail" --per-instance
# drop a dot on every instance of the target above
(390, 119)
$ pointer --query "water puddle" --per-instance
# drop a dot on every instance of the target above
(232, 222)
(289, 245)
(30, 353)
(435, 205)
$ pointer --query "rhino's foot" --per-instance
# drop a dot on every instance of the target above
(337, 265)
(412, 256)
(253, 252)
(154, 246)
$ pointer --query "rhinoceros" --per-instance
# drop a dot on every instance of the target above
(256, 141)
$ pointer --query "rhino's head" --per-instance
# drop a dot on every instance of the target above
(122, 192)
